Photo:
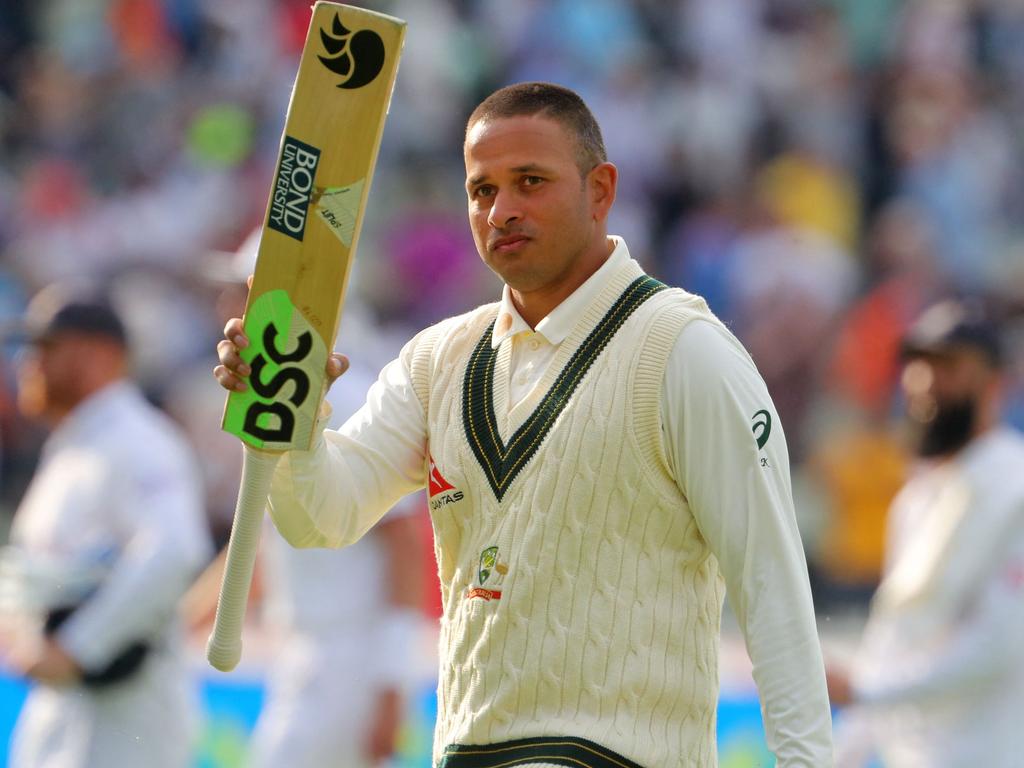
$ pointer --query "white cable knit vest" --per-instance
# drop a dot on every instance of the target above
(581, 604)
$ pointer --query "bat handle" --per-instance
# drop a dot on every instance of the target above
(224, 648)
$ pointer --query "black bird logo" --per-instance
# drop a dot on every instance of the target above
(357, 57)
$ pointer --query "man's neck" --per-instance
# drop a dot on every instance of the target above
(534, 306)
(58, 414)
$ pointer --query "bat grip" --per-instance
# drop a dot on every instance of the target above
(224, 648)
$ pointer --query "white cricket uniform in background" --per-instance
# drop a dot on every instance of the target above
(941, 666)
(713, 408)
(327, 613)
(116, 484)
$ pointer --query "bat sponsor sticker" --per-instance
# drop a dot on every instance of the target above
(293, 187)
(279, 409)
(358, 57)
(339, 208)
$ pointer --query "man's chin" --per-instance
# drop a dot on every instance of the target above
(516, 274)
(948, 431)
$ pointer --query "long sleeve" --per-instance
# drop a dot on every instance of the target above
(728, 452)
(985, 645)
(167, 547)
(139, 498)
(332, 494)
(975, 593)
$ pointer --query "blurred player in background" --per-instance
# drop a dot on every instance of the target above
(346, 629)
(602, 458)
(105, 541)
(938, 681)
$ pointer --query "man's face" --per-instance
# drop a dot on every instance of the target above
(532, 211)
(49, 376)
(944, 392)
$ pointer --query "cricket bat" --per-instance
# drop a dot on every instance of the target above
(318, 196)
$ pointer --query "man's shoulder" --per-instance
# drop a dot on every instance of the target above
(672, 301)
(472, 324)
(139, 431)
(689, 313)
(478, 317)
(995, 460)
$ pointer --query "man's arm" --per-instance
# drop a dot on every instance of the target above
(724, 442)
(167, 547)
(979, 649)
(332, 494)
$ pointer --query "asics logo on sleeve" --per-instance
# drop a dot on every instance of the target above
(762, 427)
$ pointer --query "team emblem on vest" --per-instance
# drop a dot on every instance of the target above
(441, 492)
(490, 571)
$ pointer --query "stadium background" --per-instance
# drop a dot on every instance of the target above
(819, 170)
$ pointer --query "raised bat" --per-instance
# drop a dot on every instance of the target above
(317, 199)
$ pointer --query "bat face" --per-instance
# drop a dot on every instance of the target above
(317, 199)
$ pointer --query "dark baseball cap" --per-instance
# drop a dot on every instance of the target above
(954, 324)
(57, 309)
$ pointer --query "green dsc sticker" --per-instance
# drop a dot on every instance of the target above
(288, 358)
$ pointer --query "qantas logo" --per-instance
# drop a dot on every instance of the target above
(358, 57)
(437, 482)
(439, 488)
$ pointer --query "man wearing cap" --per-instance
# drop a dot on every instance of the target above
(107, 537)
(938, 679)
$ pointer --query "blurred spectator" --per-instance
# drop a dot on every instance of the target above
(788, 280)
(857, 457)
(104, 542)
(903, 277)
(939, 678)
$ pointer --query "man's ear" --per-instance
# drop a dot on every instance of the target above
(601, 184)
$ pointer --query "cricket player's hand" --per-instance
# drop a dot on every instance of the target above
(43, 660)
(233, 370)
(840, 690)
(382, 735)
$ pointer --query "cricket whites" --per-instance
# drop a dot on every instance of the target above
(317, 199)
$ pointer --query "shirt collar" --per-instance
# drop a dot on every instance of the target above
(563, 318)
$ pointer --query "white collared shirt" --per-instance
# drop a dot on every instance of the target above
(940, 669)
(117, 486)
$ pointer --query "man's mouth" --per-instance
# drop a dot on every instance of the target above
(508, 244)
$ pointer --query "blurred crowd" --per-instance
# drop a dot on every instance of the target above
(819, 170)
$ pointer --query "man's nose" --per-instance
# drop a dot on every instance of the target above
(505, 210)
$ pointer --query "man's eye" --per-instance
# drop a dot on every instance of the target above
(532, 181)
(484, 191)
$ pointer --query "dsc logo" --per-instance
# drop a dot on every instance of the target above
(273, 369)
(287, 355)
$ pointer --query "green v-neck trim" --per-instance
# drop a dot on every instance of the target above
(501, 463)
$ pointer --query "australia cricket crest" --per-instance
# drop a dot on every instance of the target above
(491, 572)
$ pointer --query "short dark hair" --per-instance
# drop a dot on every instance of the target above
(71, 308)
(550, 100)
